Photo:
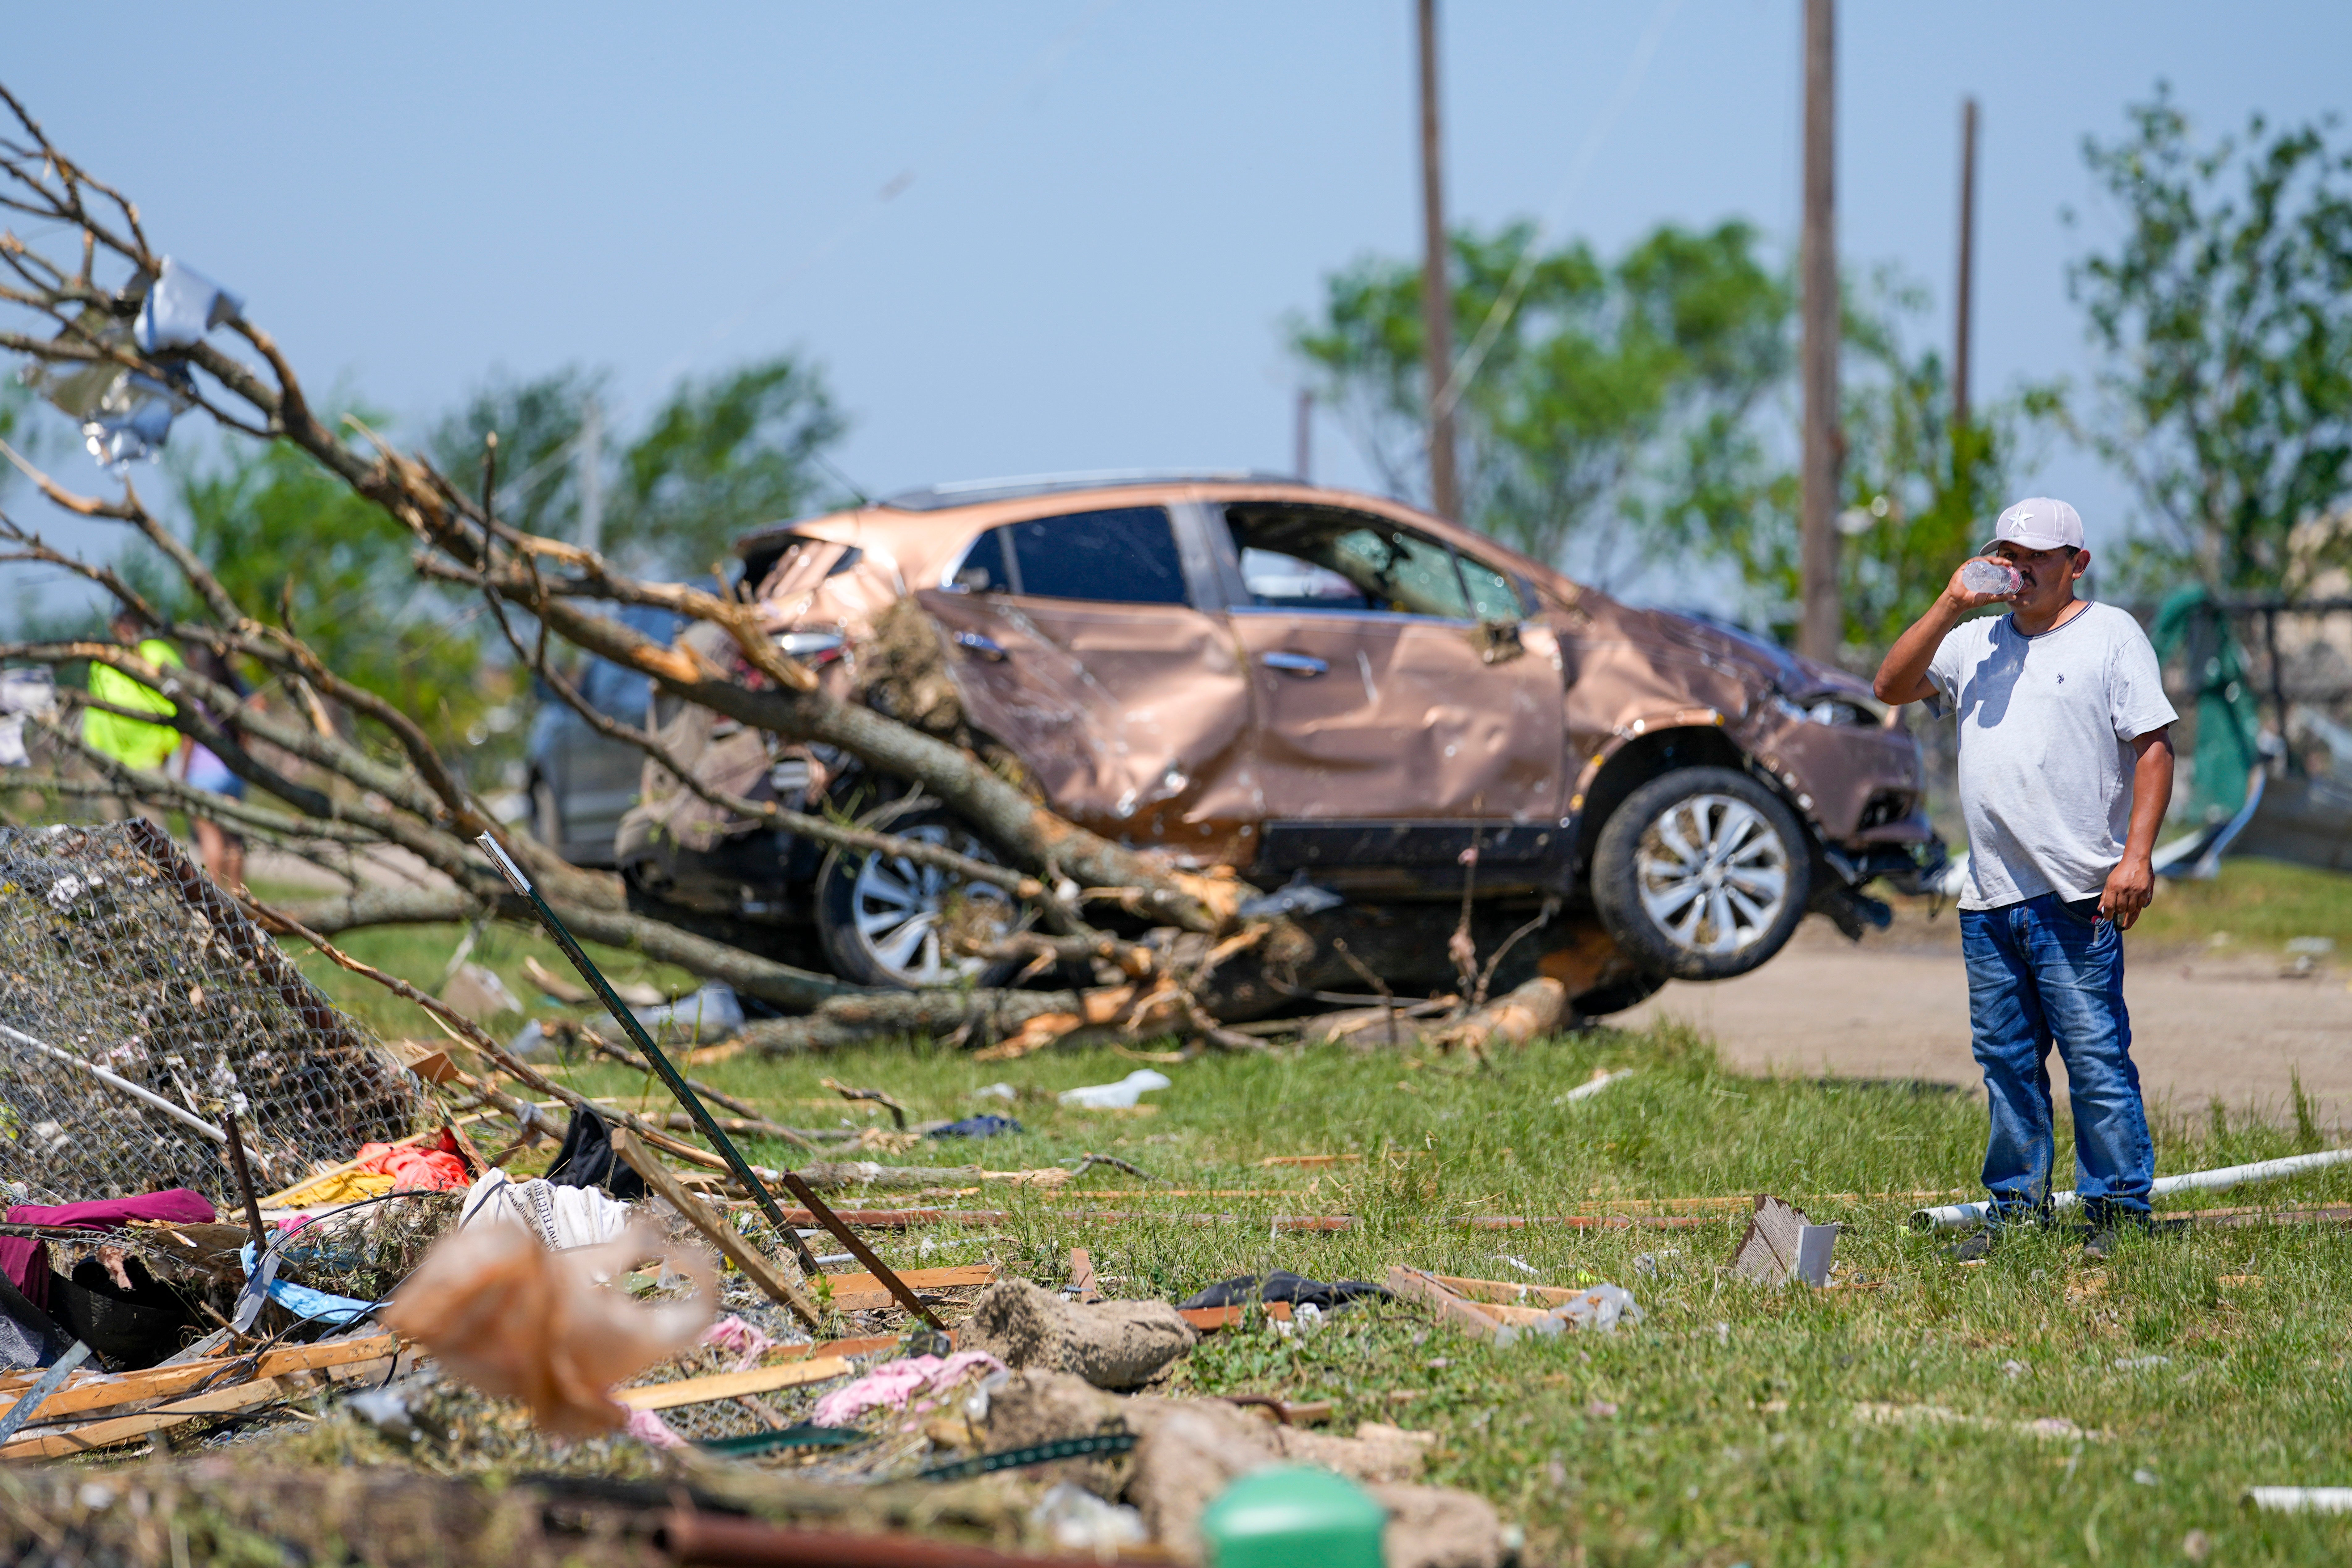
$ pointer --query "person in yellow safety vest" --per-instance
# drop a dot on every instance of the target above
(133, 742)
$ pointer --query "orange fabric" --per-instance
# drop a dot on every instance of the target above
(415, 1169)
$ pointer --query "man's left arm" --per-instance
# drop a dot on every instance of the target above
(2132, 883)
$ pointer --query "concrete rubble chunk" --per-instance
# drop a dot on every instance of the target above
(1439, 1526)
(1111, 1344)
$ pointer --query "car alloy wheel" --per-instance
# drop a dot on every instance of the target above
(886, 920)
(1715, 874)
(1701, 874)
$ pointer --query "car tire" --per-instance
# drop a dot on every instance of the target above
(1702, 874)
(878, 916)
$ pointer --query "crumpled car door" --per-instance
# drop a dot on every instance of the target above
(1132, 718)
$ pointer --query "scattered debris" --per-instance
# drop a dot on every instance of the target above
(1782, 1247)
(1291, 1289)
(2050, 1427)
(126, 958)
(1078, 1521)
(1119, 1096)
(2300, 1499)
(1111, 1344)
(571, 993)
(1601, 1078)
(896, 1384)
(898, 1111)
(975, 1127)
(774, 1279)
(713, 1013)
(1966, 1216)
(477, 991)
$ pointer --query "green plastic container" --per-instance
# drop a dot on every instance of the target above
(1293, 1515)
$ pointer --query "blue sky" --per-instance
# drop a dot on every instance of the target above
(1103, 212)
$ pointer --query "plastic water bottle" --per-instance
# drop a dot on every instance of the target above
(1987, 576)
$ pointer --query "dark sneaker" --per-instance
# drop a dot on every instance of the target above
(1972, 1248)
(2100, 1244)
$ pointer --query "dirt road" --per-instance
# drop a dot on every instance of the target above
(2204, 1026)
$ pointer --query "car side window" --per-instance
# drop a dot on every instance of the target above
(1125, 555)
(1493, 596)
(983, 570)
(1300, 558)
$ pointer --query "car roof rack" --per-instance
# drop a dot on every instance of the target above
(968, 492)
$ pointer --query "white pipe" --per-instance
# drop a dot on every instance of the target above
(2302, 1500)
(124, 1084)
(1961, 1216)
(1593, 1086)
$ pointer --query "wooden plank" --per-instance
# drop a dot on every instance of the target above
(840, 1347)
(920, 1278)
(226, 1401)
(779, 1286)
(1209, 1320)
(164, 1382)
(1413, 1285)
(732, 1384)
(1505, 1291)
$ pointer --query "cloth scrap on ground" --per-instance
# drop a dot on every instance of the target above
(26, 1261)
(417, 1170)
(561, 1218)
(1281, 1286)
(894, 1385)
(975, 1127)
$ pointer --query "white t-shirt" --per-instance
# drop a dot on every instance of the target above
(2046, 726)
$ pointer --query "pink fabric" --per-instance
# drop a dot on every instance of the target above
(647, 1426)
(746, 1340)
(26, 1261)
(896, 1384)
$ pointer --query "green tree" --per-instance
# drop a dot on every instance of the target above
(537, 421)
(2223, 322)
(1918, 493)
(296, 545)
(721, 457)
(1599, 369)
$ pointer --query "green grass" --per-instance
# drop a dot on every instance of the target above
(2257, 905)
(1723, 1428)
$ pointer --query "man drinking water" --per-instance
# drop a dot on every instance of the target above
(2065, 772)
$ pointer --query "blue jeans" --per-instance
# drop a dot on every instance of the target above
(2039, 971)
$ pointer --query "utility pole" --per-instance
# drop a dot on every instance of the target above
(1821, 622)
(1964, 295)
(590, 457)
(1436, 298)
(1303, 437)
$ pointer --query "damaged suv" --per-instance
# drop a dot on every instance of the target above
(1339, 698)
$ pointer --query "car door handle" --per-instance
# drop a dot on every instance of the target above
(986, 647)
(1305, 665)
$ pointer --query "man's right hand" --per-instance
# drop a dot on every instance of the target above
(1962, 598)
(1903, 677)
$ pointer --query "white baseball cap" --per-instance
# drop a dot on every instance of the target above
(2040, 523)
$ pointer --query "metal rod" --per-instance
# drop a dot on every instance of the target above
(833, 1222)
(244, 1175)
(51, 1381)
(125, 1085)
(678, 1086)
